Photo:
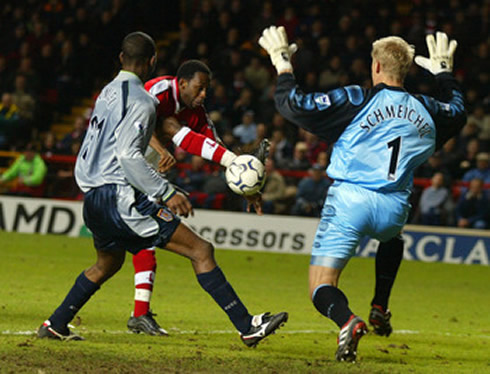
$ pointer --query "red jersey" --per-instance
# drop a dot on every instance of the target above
(166, 90)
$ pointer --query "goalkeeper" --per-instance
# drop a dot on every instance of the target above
(380, 136)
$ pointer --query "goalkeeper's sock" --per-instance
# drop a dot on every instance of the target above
(215, 283)
(79, 294)
(332, 303)
(200, 145)
(388, 259)
(145, 265)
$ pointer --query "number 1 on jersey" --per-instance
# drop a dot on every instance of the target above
(395, 144)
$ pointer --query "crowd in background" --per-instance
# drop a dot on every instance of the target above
(53, 52)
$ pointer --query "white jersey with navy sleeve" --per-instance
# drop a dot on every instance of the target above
(120, 128)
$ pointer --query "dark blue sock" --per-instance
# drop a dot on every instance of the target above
(79, 294)
(332, 303)
(388, 259)
(215, 283)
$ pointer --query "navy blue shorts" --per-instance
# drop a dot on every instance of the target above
(123, 218)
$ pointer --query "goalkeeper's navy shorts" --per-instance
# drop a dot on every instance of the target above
(351, 212)
(123, 218)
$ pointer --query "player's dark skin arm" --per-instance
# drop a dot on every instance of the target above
(165, 132)
(166, 159)
(167, 128)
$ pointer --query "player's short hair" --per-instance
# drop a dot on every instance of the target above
(138, 47)
(395, 56)
(191, 67)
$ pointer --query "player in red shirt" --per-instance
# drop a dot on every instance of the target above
(182, 120)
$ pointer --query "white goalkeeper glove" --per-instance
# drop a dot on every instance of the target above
(275, 41)
(440, 54)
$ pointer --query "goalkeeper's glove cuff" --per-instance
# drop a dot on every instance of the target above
(282, 60)
(283, 66)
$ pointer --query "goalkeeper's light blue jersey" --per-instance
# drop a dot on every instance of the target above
(384, 143)
(113, 150)
(379, 135)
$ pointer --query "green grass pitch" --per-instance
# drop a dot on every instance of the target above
(441, 316)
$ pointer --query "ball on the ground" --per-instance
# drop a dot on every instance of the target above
(245, 175)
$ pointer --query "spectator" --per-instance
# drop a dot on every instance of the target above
(27, 70)
(330, 77)
(75, 136)
(323, 159)
(261, 135)
(264, 19)
(299, 160)
(278, 122)
(257, 75)
(451, 157)
(206, 188)
(470, 131)
(482, 170)
(281, 148)
(49, 146)
(240, 17)
(432, 166)
(10, 125)
(28, 172)
(24, 100)
(5, 75)
(290, 21)
(246, 132)
(311, 193)
(214, 191)
(473, 208)
(324, 52)
(244, 102)
(468, 161)
(435, 205)
(482, 120)
(265, 103)
(219, 100)
(223, 27)
(274, 191)
(314, 145)
(66, 76)
(192, 180)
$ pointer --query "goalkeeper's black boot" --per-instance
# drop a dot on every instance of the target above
(146, 324)
(380, 320)
(47, 331)
(263, 325)
(348, 339)
(262, 151)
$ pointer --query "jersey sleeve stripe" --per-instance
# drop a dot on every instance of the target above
(125, 94)
(208, 149)
(159, 87)
(179, 137)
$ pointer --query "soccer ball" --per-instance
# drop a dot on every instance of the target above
(245, 175)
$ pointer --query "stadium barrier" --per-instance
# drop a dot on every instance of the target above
(55, 162)
(242, 231)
